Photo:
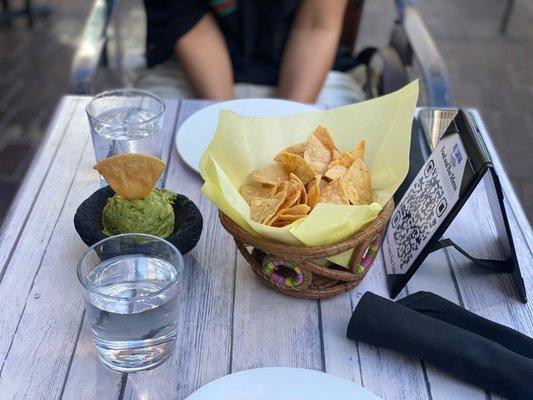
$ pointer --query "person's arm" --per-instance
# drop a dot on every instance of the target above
(204, 57)
(310, 50)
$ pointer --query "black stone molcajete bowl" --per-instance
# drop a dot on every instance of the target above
(187, 220)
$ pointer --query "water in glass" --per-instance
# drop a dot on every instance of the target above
(133, 328)
(126, 121)
(125, 130)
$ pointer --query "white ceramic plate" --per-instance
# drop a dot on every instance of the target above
(281, 384)
(195, 134)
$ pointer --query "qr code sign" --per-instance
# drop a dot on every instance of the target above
(418, 213)
(425, 204)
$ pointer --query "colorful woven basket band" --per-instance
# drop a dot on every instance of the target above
(369, 258)
(273, 266)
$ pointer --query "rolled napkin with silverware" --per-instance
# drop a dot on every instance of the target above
(442, 334)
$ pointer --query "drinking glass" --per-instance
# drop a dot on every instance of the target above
(130, 284)
(126, 121)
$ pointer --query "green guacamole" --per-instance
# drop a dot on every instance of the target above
(153, 216)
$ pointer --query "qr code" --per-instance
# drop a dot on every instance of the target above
(418, 213)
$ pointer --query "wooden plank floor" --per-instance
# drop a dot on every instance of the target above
(488, 70)
(34, 65)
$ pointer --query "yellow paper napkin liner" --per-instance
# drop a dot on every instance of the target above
(241, 144)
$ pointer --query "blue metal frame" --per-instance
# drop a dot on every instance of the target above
(418, 41)
(92, 50)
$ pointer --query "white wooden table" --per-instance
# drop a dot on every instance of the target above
(229, 321)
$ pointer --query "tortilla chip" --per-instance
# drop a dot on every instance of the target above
(293, 192)
(335, 154)
(357, 183)
(131, 175)
(306, 174)
(292, 197)
(344, 160)
(297, 149)
(323, 134)
(313, 191)
(273, 189)
(303, 196)
(271, 174)
(248, 192)
(290, 218)
(334, 193)
(280, 223)
(297, 165)
(317, 155)
(296, 182)
(280, 187)
(359, 151)
(335, 172)
(299, 209)
(262, 209)
(287, 216)
(312, 196)
(293, 179)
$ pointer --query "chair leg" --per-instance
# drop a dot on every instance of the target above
(28, 10)
(506, 16)
(105, 56)
(29, 13)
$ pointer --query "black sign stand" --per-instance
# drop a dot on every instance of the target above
(479, 168)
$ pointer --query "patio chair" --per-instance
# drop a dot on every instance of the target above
(411, 52)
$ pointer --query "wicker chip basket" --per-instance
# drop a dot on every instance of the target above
(296, 270)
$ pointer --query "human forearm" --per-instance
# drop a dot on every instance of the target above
(308, 58)
(310, 50)
(204, 58)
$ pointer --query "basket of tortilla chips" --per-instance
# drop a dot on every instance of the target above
(307, 197)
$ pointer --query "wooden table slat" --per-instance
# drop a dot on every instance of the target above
(30, 187)
(436, 275)
(389, 374)
(514, 206)
(46, 343)
(88, 378)
(490, 294)
(270, 329)
(41, 271)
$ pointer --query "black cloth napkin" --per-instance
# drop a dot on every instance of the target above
(448, 337)
(438, 307)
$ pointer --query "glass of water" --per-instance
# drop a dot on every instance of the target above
(130, 286)
(126, 121)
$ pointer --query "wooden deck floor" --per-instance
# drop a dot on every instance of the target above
(488, 70)
(34, 69)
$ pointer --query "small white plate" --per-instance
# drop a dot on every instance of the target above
(195, 134)
(281, 384)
